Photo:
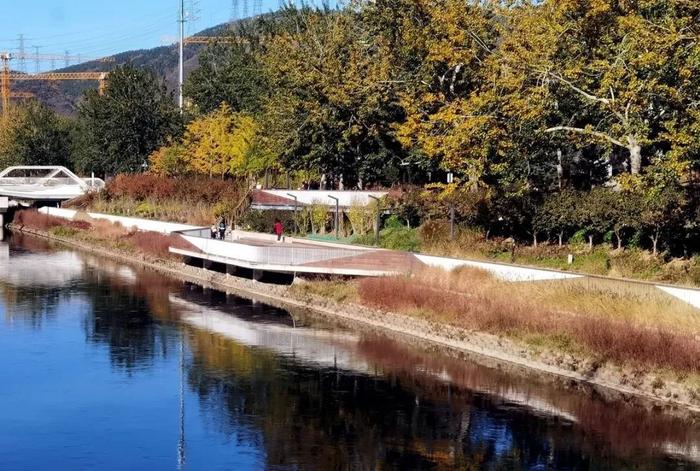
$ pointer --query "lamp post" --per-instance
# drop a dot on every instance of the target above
(378, 222)
(296, 224)
(337, 209)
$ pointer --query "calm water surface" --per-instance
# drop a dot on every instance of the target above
(103, 366)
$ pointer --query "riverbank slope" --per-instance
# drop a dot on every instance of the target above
(658, 384)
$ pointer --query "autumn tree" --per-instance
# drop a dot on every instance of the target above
(617, 73)
(223, 143)
(332, 100)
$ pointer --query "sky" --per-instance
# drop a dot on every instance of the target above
(99, 28)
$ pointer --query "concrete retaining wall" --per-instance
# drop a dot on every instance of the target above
(502, 271)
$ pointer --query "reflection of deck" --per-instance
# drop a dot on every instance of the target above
(262, 252)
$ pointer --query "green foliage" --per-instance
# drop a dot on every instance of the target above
(33, 134)
(400, 239)
(332, 102)
(228, 73)
(116, 132)
(264, 221)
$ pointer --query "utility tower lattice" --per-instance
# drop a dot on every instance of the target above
(257, 7)
(37, 59)
(235, 10)
(22, 52)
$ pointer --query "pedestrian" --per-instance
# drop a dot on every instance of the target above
(278, 229)
(222, 229)
(213, 231)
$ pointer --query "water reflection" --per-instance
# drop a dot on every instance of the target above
(298, 393)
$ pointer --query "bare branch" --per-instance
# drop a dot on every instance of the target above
(599, 134)
(580, 91)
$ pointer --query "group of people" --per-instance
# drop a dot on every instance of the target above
(219, 233)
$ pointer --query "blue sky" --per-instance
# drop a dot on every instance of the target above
(99, 28)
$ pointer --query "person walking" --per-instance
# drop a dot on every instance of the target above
(279, 230)
(222, 229)
(213, 231)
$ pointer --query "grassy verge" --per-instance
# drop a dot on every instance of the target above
(434, 239)
(600, 323)
(104, 234)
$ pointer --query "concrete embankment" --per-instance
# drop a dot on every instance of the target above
(498, 349)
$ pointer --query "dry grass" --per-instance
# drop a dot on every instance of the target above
(112, 235)
(339, 291)
(192, 200)
(473, 300)
(44, 222)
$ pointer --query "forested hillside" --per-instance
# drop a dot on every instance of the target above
(163, 61)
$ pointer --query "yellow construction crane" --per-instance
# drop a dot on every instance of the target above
(6, 76)
(213, 39)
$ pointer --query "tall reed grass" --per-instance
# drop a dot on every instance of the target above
(472, 299)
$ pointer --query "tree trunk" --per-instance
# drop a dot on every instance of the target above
(534, 240)
(561, 239)
(560, 168)
(655, 242)
(635, 155)
(619, 240)
(590, 242)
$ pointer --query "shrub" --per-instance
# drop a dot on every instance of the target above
(264, 221)
(434, 232)
(400, 238)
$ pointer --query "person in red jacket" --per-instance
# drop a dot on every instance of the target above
(278, 229)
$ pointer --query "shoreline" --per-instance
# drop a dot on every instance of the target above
(494, 350)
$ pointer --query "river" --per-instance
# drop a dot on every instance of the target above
(106, 366)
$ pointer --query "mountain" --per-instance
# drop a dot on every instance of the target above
(63, 96)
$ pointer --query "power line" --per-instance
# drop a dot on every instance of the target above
(22, 52)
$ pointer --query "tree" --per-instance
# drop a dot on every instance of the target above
(595, 214)
(619, 71)
(558, 214)
(224, 143)
(332, 100)
(33, 134)
(118, 131)
(169, 161)
(663, 203)
(228, 73)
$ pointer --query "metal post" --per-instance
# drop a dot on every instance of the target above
(337, 210)
(378, 222)
(296, 224)
(182, 54)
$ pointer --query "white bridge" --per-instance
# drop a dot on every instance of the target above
(44, 183)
